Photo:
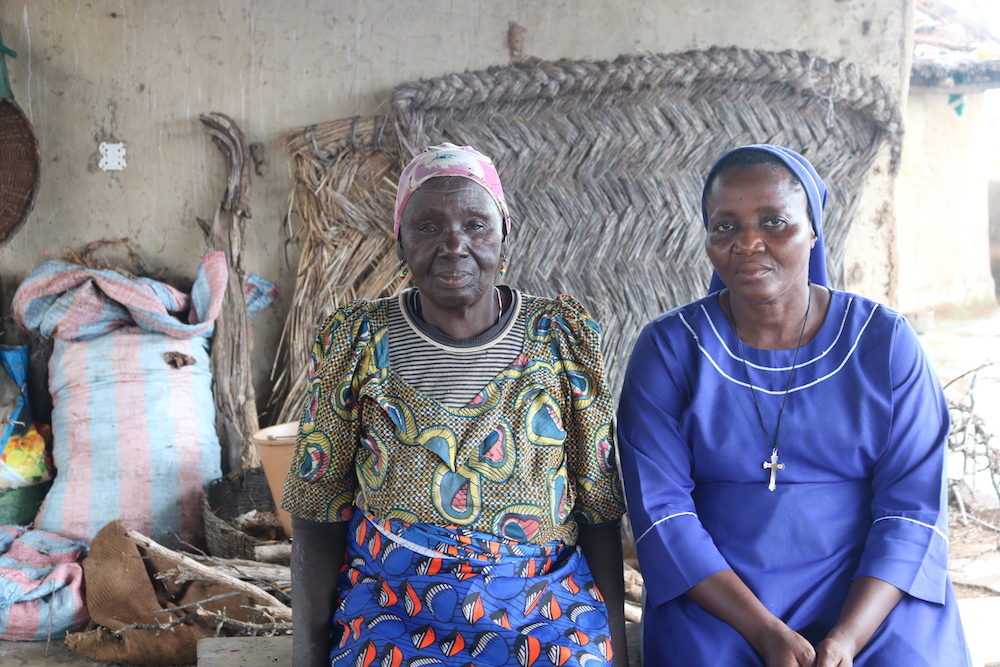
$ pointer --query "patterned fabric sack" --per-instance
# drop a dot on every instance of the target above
(41, 585)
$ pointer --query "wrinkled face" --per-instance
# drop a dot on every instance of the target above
(759, 234)
(451, 237)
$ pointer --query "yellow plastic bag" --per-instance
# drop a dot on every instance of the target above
(25, 460)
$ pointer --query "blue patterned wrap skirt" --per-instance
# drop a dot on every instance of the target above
(416, 595)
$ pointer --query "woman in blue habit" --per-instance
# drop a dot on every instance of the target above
(782, 447)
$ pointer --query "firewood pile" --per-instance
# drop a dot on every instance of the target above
(149, 604)
(974, 461)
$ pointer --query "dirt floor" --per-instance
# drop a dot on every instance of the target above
(975, 544)
(965, 354)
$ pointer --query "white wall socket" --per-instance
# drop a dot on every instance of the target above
(112, 156)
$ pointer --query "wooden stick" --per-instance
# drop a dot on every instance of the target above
(633, 583)
(274, 574)
(984, 524)
(232, 343)
(265, 600)
(633, 612)
(196, 604)
(221, 619)
(273, 553)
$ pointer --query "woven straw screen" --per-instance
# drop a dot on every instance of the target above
(602, 164)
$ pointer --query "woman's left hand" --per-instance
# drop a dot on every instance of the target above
(602, 547)
(831, 653)
(868, 603)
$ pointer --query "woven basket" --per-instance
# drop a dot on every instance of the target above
(20, 168)
(237, 493)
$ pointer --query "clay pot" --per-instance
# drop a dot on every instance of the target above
(276, 445)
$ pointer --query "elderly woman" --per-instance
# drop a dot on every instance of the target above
(782, 447)
(455, 450)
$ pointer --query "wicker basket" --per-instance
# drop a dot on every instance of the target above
(20, 168)
(237, 493)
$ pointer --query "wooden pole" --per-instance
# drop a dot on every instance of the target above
(232, 343)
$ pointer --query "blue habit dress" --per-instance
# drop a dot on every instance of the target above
(863, 441)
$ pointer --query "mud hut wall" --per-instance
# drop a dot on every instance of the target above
(942, 204)
(141, 72)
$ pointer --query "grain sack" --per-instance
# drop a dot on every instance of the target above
(134, 438)
(41, 585)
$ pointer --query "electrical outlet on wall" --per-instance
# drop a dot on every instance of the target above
(112, 156)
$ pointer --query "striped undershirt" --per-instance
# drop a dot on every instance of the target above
(449, 370)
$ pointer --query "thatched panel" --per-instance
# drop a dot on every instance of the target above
(345, 185)
(602, 164)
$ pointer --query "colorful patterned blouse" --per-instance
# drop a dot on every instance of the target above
(526, 459)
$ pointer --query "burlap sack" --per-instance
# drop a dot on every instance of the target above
(123, 589)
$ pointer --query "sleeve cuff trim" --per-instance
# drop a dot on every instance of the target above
(919, 523)
(666, 518)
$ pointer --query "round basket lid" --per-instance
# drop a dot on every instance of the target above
(20, 168)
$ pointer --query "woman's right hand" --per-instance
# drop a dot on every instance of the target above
(726, 596)
(780, 646)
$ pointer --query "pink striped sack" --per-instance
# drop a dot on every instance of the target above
(133, 426)
(70, 302)
(133, 419)
(41, 585)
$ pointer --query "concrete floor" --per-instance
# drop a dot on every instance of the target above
(954, 347)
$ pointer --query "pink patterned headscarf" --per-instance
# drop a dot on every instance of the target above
(449, 160)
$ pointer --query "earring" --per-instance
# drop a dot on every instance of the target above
(403, 271)
(503, 266)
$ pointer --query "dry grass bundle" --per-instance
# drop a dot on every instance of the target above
(345, 185)
(602, 163)
(93, 257)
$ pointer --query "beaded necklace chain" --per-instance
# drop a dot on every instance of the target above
(773, 464)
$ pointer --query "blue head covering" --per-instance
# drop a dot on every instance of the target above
(815, 192)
